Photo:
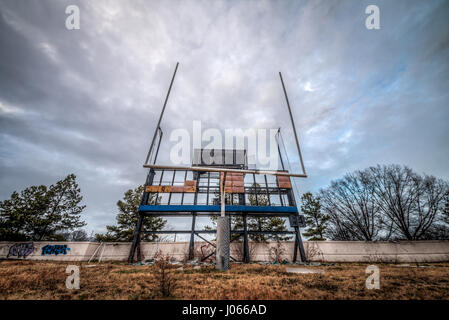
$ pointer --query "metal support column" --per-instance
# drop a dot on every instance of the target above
(192, 238)
(298, 239)
(295, 252)
(192, 235)
(144, 201)
(245, 233)
(136, 239)
(245, 240)
(301, 245)
(148, 182)
(223, 232)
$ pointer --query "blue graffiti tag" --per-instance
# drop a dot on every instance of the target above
(55, 249)
(21, 250)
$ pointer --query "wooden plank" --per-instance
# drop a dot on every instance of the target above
(234, 189)
(284, 182)
(238, 190)
(189, 189)
(170, 189)
(177, 189)
(234, 183)
(190, 183)
(285, 185)
(155, 189)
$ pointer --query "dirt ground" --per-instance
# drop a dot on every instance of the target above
(47, 280)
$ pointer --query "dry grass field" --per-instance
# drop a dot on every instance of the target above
(46, 280)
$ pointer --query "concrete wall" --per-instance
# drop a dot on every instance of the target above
(327, 251)
(51, 250)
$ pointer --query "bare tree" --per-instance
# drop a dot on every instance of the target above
(446, 208)
(410, 202)
(350, 205)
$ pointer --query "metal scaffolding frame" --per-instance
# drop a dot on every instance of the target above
(286, 208)
(237, 206)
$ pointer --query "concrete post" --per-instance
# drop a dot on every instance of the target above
(223, 244)
(223, 232)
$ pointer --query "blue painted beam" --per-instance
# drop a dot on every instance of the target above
(216, 208)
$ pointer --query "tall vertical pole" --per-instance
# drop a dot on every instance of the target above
(293, 125)
(160, 117)
(279, 149)
(150, 177)
(158, 145)
(298, 240)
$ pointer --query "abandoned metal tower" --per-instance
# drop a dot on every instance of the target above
(199, 190)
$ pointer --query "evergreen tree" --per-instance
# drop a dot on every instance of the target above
(128, 216)
(316, 220)
(42, 213)
(265, 223)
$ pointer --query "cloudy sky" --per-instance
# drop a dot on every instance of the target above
(87, 101)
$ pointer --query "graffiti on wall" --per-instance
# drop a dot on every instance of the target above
(21, 250)
(55, 249)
